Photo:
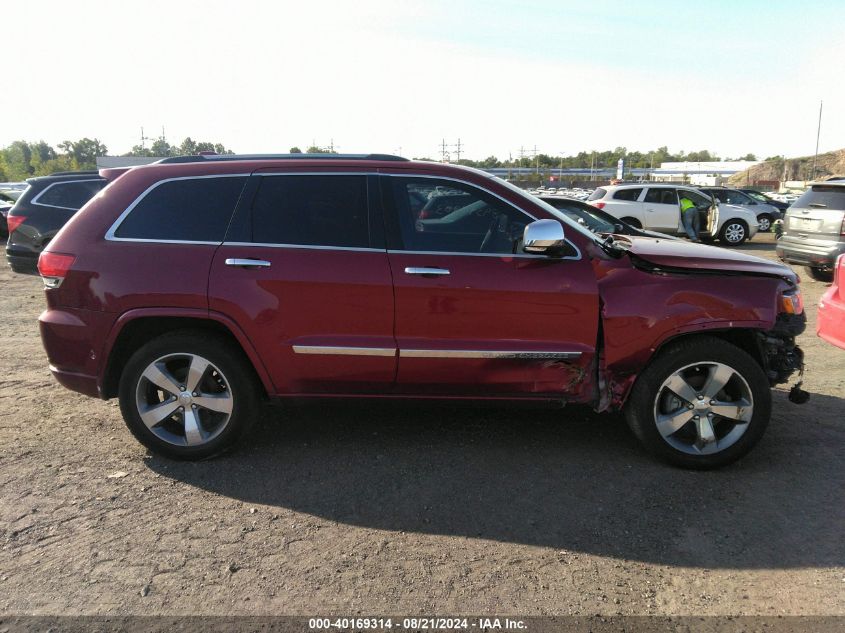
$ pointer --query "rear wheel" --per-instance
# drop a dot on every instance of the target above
(188, 396)
(734, 232)
(765, 222)
(702, 403)
(819, 274)
(633, 222)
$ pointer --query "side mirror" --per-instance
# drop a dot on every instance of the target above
(544, 237)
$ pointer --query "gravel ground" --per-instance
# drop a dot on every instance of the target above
(395, 509)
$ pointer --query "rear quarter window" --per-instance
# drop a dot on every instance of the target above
(69, 195)
(627, 194)
(598, 194)
(189, 210)
(822, 197)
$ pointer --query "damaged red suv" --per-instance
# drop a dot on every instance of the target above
(196, 287)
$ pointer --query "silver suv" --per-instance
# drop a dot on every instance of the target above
(814, 229)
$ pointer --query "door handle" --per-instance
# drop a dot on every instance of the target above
(425, 270)
(248, 263)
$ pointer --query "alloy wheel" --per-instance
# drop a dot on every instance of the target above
(734, 233)
(184, 399)
(764, 223)
(703, 408)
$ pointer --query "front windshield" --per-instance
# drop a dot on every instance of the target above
(547, 207)
(757, 196)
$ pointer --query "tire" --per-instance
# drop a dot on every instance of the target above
(633, 222)
(765, 222)
(819, 274)
(226, 391)
(682, 440)
(733, 233)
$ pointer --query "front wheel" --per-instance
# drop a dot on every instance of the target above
(734, 232)
(633, 222)
(188, 396)
(702, 403)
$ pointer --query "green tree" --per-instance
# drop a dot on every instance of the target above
(294, 150)
(84, 151)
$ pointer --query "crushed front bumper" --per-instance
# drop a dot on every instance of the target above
(781, 356)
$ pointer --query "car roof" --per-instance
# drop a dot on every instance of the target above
(243, 164)
(836, 182)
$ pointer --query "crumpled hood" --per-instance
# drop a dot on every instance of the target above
(687, 255)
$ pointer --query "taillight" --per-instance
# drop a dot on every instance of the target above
(599, 205)
(14, 221)
(53, 267)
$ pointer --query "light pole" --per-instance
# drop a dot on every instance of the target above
(818, 134)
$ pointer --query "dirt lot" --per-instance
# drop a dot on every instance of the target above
(396, 509)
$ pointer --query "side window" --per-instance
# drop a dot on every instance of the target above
(190, 210)
(696, 197)
(627, 194)
(69, 195)
(661, 195)
(736, 197)
(311, 211)
(472, 221)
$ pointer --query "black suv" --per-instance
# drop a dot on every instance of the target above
(46, 205)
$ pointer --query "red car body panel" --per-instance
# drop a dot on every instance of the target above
(830, 324)
(605, 313)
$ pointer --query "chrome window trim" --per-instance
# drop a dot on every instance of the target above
(63, 182)
(459, 353)
(110, 234)
(111, 237)
(344, 351)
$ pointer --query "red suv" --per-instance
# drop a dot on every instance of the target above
(195, 287)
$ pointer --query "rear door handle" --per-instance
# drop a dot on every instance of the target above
(425, 270)
(248, 263)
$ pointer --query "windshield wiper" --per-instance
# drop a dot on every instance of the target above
(609, 246)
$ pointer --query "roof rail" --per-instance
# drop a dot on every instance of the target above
(82, 172)
(227, 157)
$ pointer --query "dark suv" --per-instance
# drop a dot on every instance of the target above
(46, 205)
(195, 287)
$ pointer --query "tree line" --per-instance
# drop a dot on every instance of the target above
(22, 159)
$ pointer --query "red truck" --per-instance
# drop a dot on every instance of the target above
(196, 287)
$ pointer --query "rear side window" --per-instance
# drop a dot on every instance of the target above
(185, 210)
(661, 196)
(69, 195)
(311, 211)
(822, 197)
(627, 194)
(597, 194)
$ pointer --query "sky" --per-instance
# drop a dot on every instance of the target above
(395, 76)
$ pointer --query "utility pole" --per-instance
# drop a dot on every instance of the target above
(444, 155)
(818, 134)
(458, 150)
(144, 138)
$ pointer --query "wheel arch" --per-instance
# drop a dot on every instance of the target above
(137, 327)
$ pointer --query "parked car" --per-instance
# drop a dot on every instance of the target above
(814, 230)
(766, 213)
(43, 208)
(656, 207)
(830, 324)
(759, 196)
(595, 219)
(6, 203)
(194, 287)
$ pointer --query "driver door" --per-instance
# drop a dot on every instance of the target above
(474, 314)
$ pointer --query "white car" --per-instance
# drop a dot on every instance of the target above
(655, 207)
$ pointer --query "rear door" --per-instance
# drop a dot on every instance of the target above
(474, 314)
(304, 273)
(662, 211)
(817, 216)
